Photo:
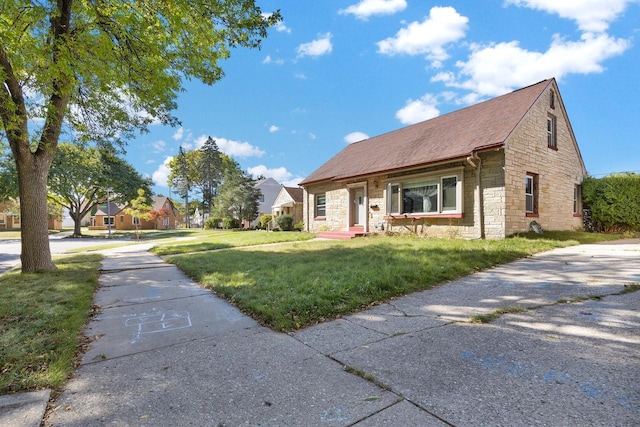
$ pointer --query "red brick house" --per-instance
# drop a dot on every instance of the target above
(485, 171)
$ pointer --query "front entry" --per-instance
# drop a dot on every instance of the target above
(359, 208)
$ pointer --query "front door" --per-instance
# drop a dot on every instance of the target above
(359, 208)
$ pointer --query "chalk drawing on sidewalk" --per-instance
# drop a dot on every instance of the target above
(158, 321)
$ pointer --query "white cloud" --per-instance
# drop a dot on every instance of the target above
(367, 8)
(418, 110)
(300, 76)
(444, 25)
(159, 146)
(273, 128)
(282, 28)
(355, 137)
(321, 46)
(178, 134)
(280, 174)
(498, 68)
(269, 60)
(232, 148)
(161, 175)
(590, 15)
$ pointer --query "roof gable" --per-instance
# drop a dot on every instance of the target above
(450, 136)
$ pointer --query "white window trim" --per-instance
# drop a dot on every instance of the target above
(437, 178)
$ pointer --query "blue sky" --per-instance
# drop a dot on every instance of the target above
(336, 71)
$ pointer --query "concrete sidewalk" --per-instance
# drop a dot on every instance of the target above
(170, 353)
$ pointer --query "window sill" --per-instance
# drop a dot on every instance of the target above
(532, 215)
(577, 215)
(552, 148)
(424, 216)
(320, 218)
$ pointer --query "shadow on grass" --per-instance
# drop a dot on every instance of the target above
(291, 287)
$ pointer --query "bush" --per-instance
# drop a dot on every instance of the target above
(230, 223)
(299, 226)
(212, 223)
(285, 222)
(613, 202)
(263, 222)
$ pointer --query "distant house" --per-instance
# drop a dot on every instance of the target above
(165, 217)
(485, 171)
(104, 216)
(289, 202)
(9, 216)
(269, 189)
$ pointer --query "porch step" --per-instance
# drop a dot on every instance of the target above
(342, 235)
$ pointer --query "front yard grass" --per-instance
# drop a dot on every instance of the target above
(211, 240)
(41, 318)
(292, 286)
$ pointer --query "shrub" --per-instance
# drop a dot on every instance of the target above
(613, 201)
(212, 222)
(299, 226)
(230, 223)
(263, 222)
(285, 222)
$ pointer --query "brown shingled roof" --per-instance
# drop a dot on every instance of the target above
(296, 193)
(450, 136)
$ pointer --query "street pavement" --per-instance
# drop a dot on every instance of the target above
(168, 352)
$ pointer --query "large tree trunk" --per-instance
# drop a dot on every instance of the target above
(32, 183)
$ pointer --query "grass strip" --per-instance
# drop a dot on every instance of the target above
(207, 241)
(41, 320)
(292, 286)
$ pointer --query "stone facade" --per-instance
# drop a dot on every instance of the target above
(559, 170)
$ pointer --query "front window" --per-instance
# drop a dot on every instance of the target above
(431, 195)
(108, 220)
(136, 220)
(531, 194)
(321, 205)
(577, 199)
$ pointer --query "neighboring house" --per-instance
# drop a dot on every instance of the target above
(9, 216)
(166, 217)
(269, 189)
(289, 202)
(486, 171)
(104, 216)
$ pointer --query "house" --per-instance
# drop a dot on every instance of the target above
(269, 189)
(9, 216)
(289, 202)
(485, 171)
(165, 216)
(104, 217)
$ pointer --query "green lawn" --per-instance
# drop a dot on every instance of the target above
(41, 318)
(292, 286)
(216, 239)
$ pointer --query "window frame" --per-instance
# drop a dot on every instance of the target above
(395, 194)
(320, 209)
(108, 220)
(135, 220)
(552, 134)
(577, 200)
(532, 194)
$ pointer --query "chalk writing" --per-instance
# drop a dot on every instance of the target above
(158, 321)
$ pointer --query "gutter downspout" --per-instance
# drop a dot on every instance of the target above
(479, 212)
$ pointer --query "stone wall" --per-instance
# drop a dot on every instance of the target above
(558, 170)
